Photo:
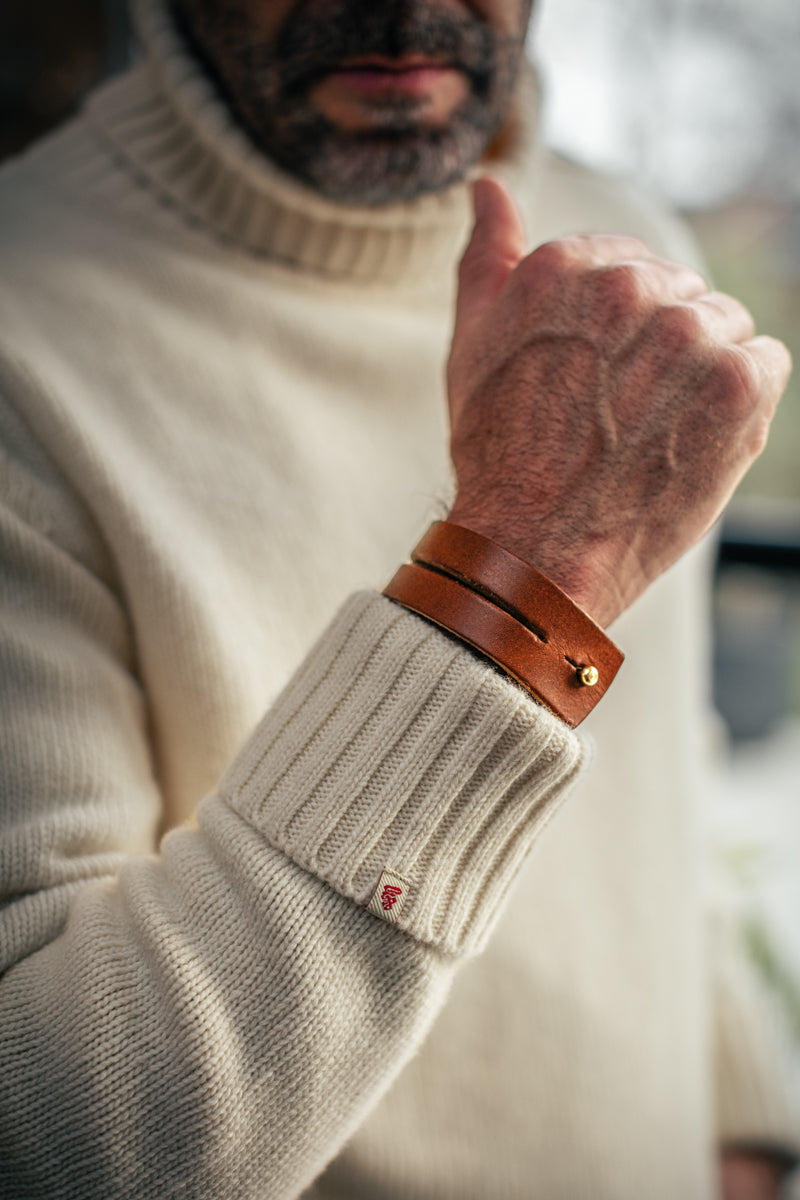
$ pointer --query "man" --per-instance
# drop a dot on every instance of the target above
(226, 306)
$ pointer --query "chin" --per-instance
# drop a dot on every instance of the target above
(377, 169)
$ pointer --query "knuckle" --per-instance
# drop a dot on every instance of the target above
(735, 381)
(637, 246)
(679, 328)
(740, 310)
(554, 257)
(775, 356)
(619, 288)
(785, 354)
(758, 437)
(554, 264)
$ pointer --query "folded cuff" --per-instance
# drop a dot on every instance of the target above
(394, 748)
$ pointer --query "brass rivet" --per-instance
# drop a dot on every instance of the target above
(589, 676)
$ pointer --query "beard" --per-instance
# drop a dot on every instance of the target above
(269, 86)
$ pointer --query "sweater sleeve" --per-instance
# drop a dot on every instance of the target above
(216, 1018)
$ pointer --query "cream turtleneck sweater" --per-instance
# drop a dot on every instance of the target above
(222, 413)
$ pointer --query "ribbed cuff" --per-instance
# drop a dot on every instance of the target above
(393, 747)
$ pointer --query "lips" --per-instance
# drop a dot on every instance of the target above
(411, 75)
(395, 66)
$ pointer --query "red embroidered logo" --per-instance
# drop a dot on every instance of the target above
(390, 896)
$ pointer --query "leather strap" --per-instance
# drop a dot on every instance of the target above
(513, 614)
(526, 593)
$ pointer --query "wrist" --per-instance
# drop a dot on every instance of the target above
(502, 606)
(584, 573)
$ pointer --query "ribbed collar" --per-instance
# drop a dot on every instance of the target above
(168, 121)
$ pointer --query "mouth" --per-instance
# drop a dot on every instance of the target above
(412, 75)
(379, 62)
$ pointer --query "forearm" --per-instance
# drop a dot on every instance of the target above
(226, 1012)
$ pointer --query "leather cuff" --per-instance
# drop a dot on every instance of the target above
(506, 609)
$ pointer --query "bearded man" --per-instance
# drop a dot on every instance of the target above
(227, 300)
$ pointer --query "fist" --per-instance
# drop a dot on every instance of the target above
(603, 404)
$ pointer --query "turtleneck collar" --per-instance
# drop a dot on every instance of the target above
(167, 119)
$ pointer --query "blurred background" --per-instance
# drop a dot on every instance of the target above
(700, 101)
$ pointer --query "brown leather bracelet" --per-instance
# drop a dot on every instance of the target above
(513, 614)
(526, 593)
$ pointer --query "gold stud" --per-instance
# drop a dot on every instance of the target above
(589, 676)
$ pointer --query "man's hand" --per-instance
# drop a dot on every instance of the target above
(744, 1176)
(603, 404)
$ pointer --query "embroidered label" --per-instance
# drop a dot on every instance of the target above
(389, 896)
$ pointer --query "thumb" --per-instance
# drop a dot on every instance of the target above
(496, 246)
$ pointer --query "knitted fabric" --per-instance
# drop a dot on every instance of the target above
(222, 416)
